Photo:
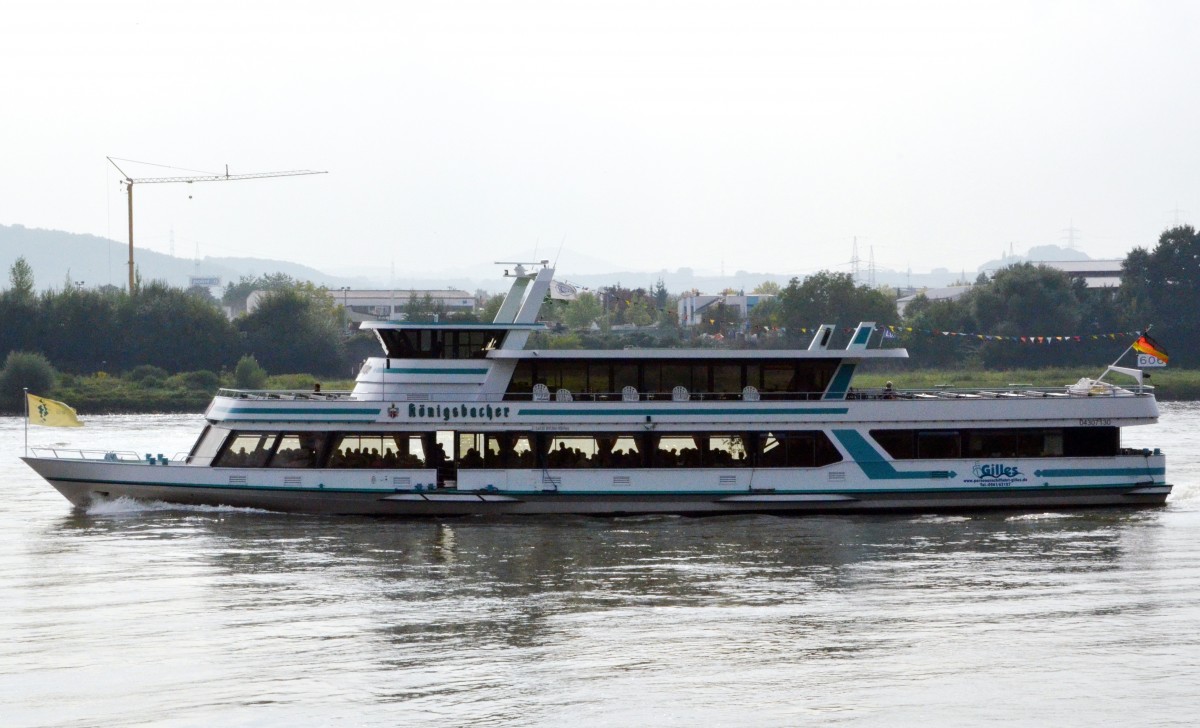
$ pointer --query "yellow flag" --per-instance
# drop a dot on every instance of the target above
(51, 413)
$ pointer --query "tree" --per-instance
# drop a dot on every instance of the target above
(831, 298)
(1162, 287)
(767, 315)
(770, 288)
(235, 294)
(423, 308)
(24, 370)
(580, 313)
(1033, 300)
(491, 307)
(295, 330)
(661, 295)
(20, 277)
(248, 374)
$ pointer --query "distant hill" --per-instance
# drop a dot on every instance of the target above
(96, 261)
(1035, 254)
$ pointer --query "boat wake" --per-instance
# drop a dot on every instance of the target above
(127, 506)
(1040, 516)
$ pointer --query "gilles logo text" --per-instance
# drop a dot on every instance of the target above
(985, 471)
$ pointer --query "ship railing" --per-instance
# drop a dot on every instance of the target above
(283, 394)
(941, 391)
(110, 456)
(568, 396)
(1012, 391)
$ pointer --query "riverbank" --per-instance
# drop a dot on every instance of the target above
(184, 393)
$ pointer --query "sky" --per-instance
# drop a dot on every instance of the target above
(758, 136)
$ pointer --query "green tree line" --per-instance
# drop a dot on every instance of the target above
(296, 327)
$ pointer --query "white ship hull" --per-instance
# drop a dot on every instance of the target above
(1136, 480)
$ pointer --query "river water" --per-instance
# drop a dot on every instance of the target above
(146, 614)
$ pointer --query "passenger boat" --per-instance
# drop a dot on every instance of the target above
(462, 418)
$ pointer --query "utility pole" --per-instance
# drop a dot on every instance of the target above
(129, 182)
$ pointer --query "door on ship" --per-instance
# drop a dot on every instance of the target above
(444, 457)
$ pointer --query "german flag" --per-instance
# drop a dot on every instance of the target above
(1146, 345)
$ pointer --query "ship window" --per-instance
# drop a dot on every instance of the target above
(938, 445)
(246, 450)
(207, 445)
(777, 377)
(1091, 441)
(727, 380)
(509, 450)
(376, 450)
(991, 443)
(296, 450)
(1052, 443)
(726, 451)
(619, 451)
(521, 382)
(600, 378)
(897, 443)
(469, 449)
(572, 451)
(676, 451)
(797, 450)
(625, 375)
(436, 343)
(813, 378)
(1029, 442)
(674, 375)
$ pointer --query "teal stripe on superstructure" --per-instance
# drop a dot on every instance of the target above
(864, 333)
(413, 370)
(841, 382)
(560, 411)
(874, 464)
(323, 420)
(297, 411)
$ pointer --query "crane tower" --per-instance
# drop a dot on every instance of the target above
(129, 182)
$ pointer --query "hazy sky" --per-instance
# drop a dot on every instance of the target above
(761, 136)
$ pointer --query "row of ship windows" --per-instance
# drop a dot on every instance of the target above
(791, 449)
(1030, 442)
(468, 450)
(658, 378)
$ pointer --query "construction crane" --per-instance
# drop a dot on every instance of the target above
(129, 182)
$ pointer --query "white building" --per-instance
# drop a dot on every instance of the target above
(382, 305)
(693, 309)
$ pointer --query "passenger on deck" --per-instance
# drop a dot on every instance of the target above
(889, 392)
(472, 459)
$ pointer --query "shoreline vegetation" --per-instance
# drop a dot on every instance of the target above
(191, 392)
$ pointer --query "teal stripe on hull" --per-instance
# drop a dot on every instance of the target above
(639, 493)
(1097, 472)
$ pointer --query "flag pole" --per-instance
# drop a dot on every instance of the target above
(1141, 333)
(26, 398)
